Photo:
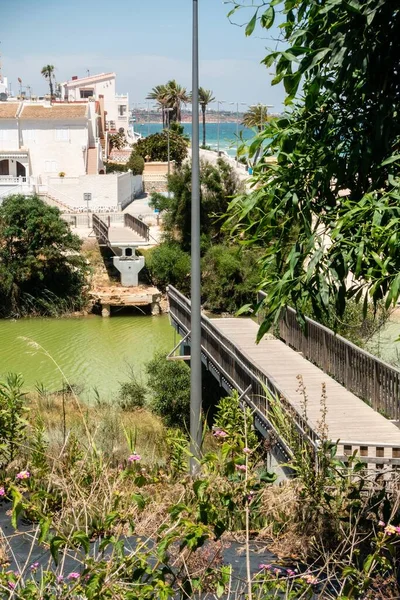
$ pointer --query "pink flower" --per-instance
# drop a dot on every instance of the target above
(310, 579)
(2, 491)
(23, 475)
(220, 433)
(134, 457)
(263, 566)
(290, 572)
(246, 450)
(390, 529)
(73, 576)
(277, 571)
(60, 578)
(11, 585)
(241, 467)
(34, 567)
(382, 524)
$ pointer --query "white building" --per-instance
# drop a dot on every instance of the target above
(56, 150)
(101, 88)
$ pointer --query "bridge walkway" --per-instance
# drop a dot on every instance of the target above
(229, 350)
(348, 418)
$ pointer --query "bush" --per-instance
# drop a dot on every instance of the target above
(156, 147)
(132, 394)
(169, 264)
(169, 384)
(136, 164)
(230, 277)
(112, 167)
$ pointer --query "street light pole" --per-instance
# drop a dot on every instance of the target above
(195, 325)
(218, 103)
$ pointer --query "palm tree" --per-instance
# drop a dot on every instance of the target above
(159, 94)
(48, 73)
(176, 96)
(205, 98)
(257, 116)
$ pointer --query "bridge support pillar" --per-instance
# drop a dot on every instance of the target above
(105, 310)
(129, 265)
(155, 308)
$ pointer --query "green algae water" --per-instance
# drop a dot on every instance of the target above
(90, 352)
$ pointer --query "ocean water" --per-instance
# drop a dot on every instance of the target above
(227, 134)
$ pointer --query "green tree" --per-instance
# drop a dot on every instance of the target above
(48, 74)
(219, 183)
(158, 93)
(135, 163)
(336, 182)
(256, 117)
(156, 147)
(169, 385)
(40, 266)
(170, 95)
(205, 98)
(168, 264)
(230, 276)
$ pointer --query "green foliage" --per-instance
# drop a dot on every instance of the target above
(40, 266)
(236, 420)
(337, 158)
(168, 264)
(230, 275)
(112, 167)
(219, 183)
(132, 393)
(156, 147)
(170, 95)
(118, 140)
(12, 421)
(169, 385)
(136, 163)
(178, 449)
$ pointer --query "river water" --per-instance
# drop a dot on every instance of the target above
(91, 352)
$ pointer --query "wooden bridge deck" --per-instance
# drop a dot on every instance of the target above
(348, 418)
(124, 235)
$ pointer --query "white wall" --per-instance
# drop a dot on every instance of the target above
(50, 155)
(111, 190)
(9, 134)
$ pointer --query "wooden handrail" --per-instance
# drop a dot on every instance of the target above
(137, 225)
(237, 369)
(362, 373)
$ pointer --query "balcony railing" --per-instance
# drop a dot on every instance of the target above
(11, 180)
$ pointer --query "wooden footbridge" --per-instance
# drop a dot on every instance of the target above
(355, 386)
(127, 231)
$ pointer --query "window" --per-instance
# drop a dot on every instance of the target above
(121, 110)
(62, 134)
(50, 166)
(87, 93)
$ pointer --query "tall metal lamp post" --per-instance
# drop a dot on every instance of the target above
(195, 326)
(237, 126)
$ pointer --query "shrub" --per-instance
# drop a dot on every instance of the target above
(169, 264)
(112, 167)
(169, 384)
(12, 422)
(136, 163)
(132, 394)
(156, 146)
(230, 277)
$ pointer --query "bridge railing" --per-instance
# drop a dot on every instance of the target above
(368, 377)
(101, 230)
(137, 225)
(237, 369)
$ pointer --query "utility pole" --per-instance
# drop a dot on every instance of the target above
(195, 326)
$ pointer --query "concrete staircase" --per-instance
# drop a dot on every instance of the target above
(92, 161)
(52, 201)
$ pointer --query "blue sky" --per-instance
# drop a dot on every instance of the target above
(144, 42)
